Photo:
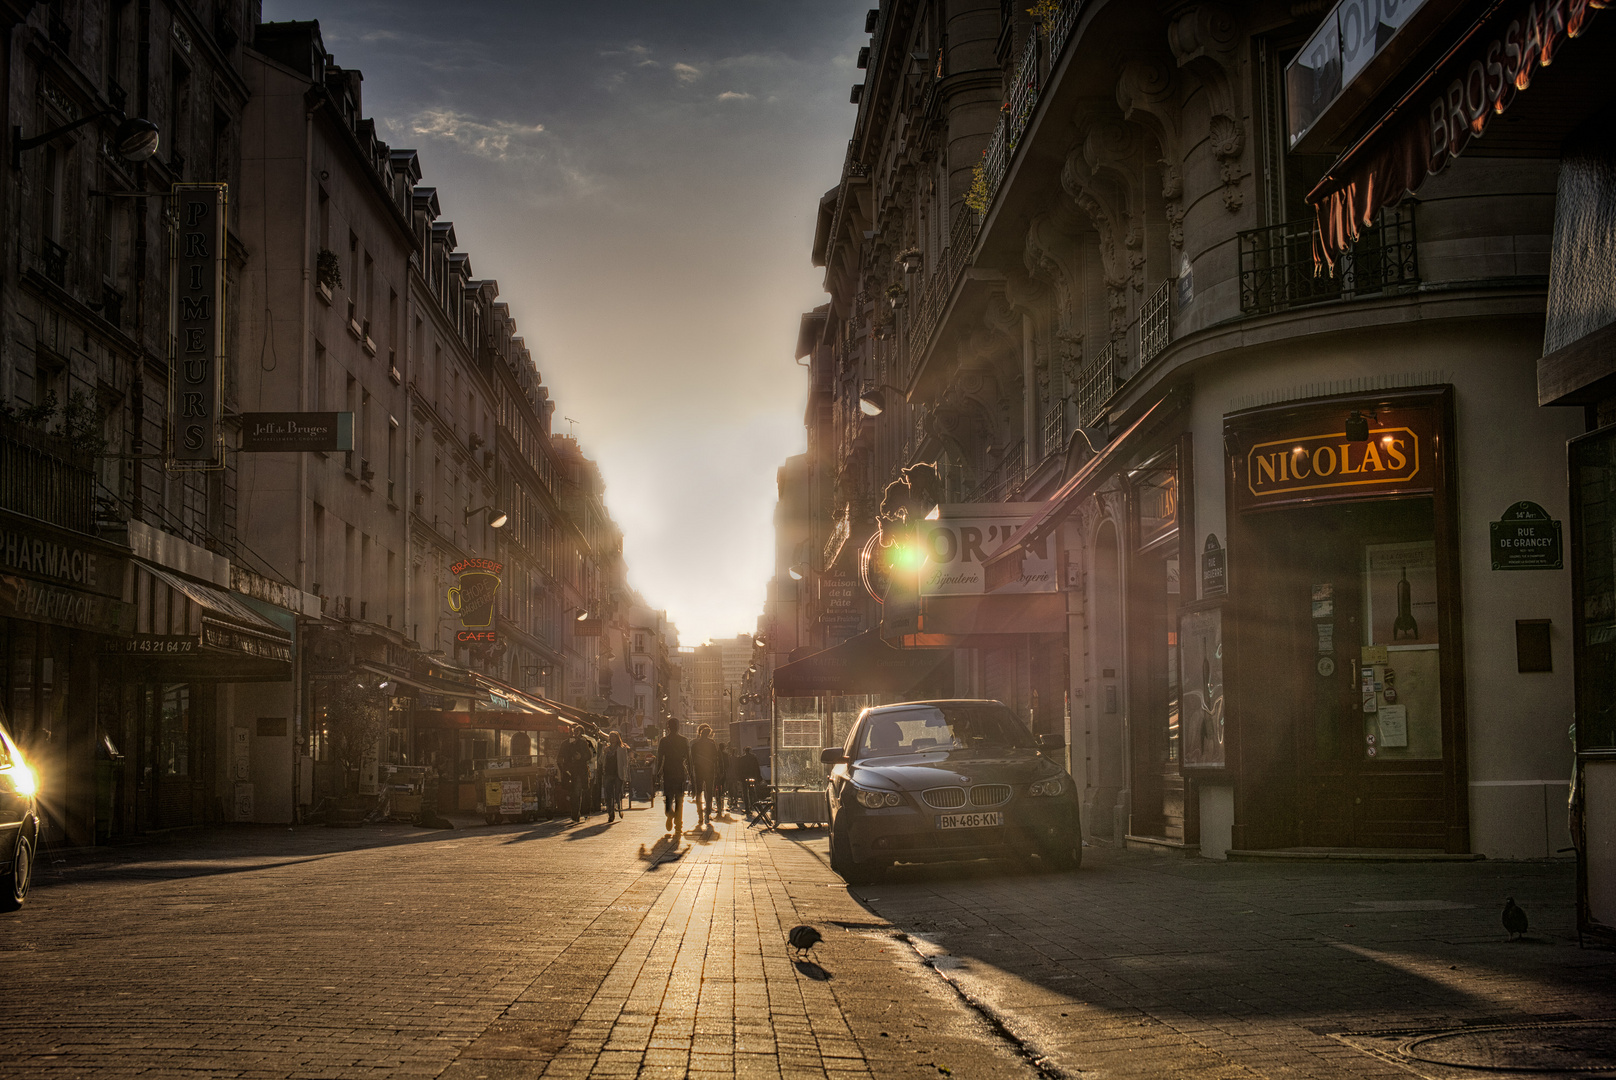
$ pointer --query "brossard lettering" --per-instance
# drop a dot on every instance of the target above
(1500, 71)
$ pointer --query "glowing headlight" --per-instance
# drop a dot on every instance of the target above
(874, 800)
(22, 779)
(1053, 787)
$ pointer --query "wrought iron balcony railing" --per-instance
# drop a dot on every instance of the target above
(1095, 385)
(42, 476)
(53, 261)
(1277, 270)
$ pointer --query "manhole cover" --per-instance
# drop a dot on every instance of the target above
(1574, 1046)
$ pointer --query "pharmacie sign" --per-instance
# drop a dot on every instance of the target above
(196, 326)
(1304, 455)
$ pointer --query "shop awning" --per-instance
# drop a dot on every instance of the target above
(1007, 613)
(860, 665)
(198, 631)
(1454, 102)
(1004, 565)
(493, 720)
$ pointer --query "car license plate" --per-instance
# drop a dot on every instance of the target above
(970, 821)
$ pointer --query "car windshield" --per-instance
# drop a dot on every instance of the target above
(926, 728)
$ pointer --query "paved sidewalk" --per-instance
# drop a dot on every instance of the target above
(514, 951)
(1145, 966)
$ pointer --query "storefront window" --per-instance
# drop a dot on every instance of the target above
(1593, 523)
(1400, 668)
(174, 731)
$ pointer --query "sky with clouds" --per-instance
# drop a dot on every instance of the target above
(642, 179)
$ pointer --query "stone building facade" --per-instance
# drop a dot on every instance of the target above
(1071, 262)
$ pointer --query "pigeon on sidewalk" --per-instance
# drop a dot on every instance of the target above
(804, 938)
(1514, 919)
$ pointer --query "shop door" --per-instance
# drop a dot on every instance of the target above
(1352, 602)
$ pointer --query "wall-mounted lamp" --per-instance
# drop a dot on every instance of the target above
(496, 518)
(878, 399)
(135, 140)
(1357, 426)
(798, 571)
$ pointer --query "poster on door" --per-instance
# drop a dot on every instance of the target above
(1400, 591)
(1200, 655)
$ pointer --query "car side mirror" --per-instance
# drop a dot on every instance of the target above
(832, 755)
(1052, 741)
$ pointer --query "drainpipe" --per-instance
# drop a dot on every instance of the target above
(299, 691)
(1030, 455)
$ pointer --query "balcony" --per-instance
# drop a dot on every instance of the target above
(1055, 428)
(53, 261)
(43, 477)
(1277, 271)
(1095, 384)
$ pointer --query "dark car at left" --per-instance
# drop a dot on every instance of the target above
(923, 781)
(19, 823)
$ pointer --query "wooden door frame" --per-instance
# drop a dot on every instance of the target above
(1243, 672)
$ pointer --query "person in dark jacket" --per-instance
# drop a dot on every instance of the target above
(673, 768)
(705, 763)
(574, 761)
(614, 774)
(748, 771)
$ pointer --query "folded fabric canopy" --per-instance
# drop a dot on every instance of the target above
(860, 665)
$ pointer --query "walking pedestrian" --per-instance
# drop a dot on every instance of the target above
(574, 761)
(704, 764)
(748, 770)
(673, 767)
(613, 772)
(721, 783)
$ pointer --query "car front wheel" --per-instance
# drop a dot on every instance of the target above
(14, 885)
(852, 871)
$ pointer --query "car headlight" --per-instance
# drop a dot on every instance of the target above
(1046, 788)
(874, 800)
(22, 779)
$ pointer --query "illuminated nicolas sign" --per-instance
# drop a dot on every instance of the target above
(472, 598)
(1303, 454)
(196, 321)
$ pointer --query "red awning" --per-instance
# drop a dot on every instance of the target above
(1004, 565)
(1478, 77)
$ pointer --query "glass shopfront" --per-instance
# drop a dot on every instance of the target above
(1348, 703)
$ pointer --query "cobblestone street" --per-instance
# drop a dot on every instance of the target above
(555, 950)
(547, 950)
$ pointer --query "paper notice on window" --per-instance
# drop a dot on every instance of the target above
(1393, 725)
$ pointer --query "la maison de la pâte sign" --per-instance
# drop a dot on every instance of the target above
(1306, 455)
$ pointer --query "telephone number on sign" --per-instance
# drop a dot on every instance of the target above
(969, 821)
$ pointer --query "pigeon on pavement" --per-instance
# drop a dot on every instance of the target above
(804, 938)
(1514, 919)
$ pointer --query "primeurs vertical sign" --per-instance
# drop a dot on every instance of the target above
(196, 321)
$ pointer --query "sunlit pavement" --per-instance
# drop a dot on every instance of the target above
(513, 951)
(606, 950)
(1145, 966)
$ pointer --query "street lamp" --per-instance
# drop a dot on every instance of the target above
(134, 141)
(496, 518)
(875, 401)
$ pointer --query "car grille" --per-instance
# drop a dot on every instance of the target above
(949, 798)
(990, 794)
